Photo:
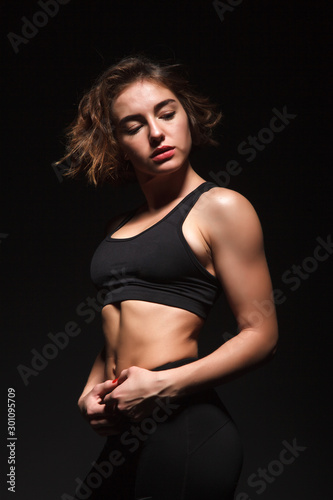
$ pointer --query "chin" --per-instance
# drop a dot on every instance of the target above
(167, 167)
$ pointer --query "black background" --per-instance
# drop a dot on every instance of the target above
(263, 55)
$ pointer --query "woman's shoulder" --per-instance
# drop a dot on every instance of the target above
(223, 207)
(223, 201)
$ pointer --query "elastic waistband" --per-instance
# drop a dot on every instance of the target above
(175, 364)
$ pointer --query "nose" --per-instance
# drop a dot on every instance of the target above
(155, 132)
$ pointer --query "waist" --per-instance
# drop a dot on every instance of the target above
(153, 359)
(175, 364)
(147, 335)
(205, 396)
(201, 401)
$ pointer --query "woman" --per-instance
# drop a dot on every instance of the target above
(160, 268)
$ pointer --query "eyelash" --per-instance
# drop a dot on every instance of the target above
(166, 116)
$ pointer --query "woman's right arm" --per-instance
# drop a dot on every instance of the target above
(103, 419)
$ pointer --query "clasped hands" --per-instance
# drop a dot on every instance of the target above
(110, 404)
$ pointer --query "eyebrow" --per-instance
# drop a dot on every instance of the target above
(137, 116)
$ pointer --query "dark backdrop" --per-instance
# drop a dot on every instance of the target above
(256, 60)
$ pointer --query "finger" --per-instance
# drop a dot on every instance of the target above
(105, 427)
(94, 416)
(109, 401)
(102, 389)
(102, 422)
(110, 397)
(123, 376)
(104, 410)
(105, 388)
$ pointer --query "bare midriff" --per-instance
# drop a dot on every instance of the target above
(146, 334)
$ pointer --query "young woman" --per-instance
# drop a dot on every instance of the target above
(160, 268)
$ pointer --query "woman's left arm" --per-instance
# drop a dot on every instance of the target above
(234, 235)
(232, 230)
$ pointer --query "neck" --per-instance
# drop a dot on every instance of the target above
(161, 190)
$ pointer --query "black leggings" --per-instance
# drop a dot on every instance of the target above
(187, 449)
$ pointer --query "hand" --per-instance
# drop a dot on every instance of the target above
(134, 393)
(103, 419)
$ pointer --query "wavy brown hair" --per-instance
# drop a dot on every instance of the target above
(92, 146)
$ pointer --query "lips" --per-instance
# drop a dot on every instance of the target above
(163, 153)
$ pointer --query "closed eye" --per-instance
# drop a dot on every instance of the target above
(133, 131)
(165, 116)
(168, 116)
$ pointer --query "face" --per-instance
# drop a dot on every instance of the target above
(152, 128)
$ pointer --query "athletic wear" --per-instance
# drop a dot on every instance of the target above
(187, 449)
(157, 265)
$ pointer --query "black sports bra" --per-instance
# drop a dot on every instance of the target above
(157, 265)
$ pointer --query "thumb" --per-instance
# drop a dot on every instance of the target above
(123, 376)
(105, 388)
(108, 399)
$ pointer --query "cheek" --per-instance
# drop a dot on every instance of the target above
(184, 133)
